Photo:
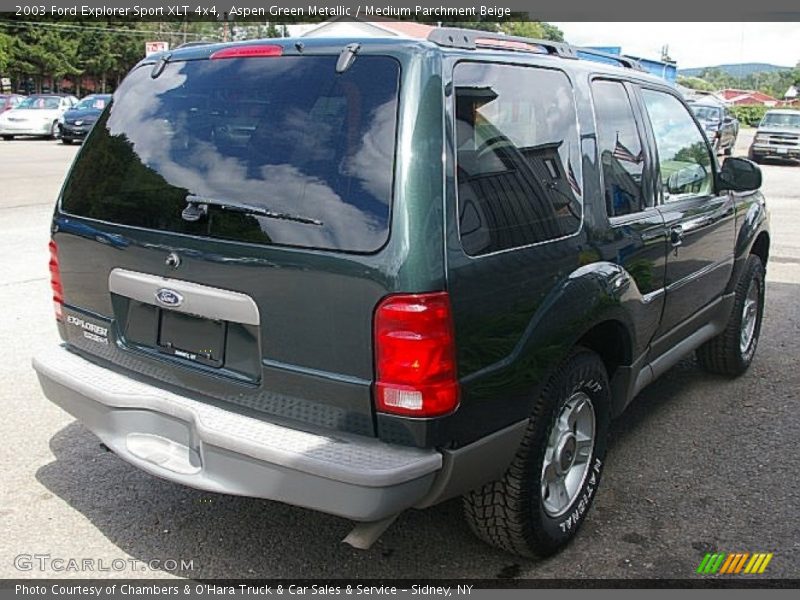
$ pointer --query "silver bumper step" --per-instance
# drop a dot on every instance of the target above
(190, 442)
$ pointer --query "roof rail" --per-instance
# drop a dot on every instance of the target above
(471, 39)
(623, 61)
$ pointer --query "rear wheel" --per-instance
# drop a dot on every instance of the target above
(731, 352)
(541, 501)
(66, 141)
(8, 138)
(729, 150)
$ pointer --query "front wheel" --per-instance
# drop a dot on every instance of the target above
(8, 138)
(544, 496)
(54, 130)
(732, 351)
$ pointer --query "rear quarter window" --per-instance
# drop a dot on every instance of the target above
(287, 136)
(517, 158)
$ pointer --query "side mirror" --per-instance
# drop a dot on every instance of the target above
(739, 175)
(683, 180)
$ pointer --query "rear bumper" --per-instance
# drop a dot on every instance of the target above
(25, 129)
(200, 445)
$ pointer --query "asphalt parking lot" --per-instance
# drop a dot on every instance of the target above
(698, 463)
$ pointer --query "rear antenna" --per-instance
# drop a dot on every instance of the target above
(347, 57)
(158, 68)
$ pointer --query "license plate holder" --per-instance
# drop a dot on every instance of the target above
(192, 338)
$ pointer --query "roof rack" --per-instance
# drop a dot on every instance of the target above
(623, 61)
(471, 39)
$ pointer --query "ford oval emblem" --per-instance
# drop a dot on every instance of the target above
(169, 297)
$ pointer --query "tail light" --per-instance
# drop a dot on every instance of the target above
(415, 360)
(55, 282)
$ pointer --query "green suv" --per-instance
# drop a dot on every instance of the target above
(371, 275)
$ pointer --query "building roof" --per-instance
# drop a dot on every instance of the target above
(735, 96)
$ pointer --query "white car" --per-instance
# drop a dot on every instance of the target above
(36, 115)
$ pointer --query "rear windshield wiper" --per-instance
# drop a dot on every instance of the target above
(197, 207)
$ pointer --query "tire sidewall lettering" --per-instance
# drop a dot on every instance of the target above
(564, 527)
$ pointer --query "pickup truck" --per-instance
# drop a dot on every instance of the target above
(777, 136)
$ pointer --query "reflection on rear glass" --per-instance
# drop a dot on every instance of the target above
(286, 134)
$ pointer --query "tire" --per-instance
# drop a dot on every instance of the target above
(66, 141)
(732, 351)
(54, 130)
(515, 513)
(8, 138)
(728, 151)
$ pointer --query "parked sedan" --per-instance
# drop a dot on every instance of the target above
(777, 136)
(78, 120)
(9, 101)
(36, 115)
(720, 125)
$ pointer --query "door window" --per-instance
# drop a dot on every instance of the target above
(683, 154)
(620, 149)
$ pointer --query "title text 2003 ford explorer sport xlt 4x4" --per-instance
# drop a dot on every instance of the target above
(371, 276)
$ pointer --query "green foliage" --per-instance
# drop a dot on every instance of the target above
(531, 29)
(749, 115)
(31, 53)
(774, 83)
(6, 43)
(695, 83)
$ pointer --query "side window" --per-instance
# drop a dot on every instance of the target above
(683, 155)
(620, 148)
(518, 159)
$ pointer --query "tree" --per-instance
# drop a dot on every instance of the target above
(529, 29)
(695, 83)
(532, 29)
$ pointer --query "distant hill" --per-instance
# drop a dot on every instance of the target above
(736, 70)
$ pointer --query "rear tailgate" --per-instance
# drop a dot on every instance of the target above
(225, 230)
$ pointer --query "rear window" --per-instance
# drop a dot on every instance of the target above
(707, 113)
(264, 150)
(40, 102)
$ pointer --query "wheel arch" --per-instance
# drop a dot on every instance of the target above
(760, 247)
(612, 342)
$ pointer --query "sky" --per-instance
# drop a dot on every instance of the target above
(695, 44)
